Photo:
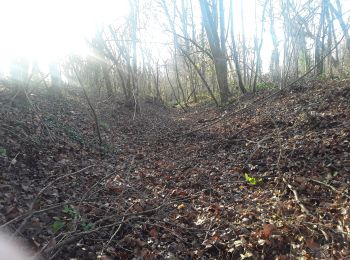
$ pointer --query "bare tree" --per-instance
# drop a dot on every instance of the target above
(217, 42)
(235, 53)
(275, 55)
(258, 47)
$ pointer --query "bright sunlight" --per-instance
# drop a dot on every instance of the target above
(44, 30)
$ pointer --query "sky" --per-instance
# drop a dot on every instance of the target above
(47, 30)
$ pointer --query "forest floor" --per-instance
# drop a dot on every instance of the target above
(266, 177)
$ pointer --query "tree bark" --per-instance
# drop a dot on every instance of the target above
(217, 46)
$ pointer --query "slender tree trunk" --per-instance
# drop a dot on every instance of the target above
(258, 51)
(176, 43)
(275, 63)
(244, 47)
(97, 125)
(156, 84)
(201, 76)
(134, 75)
(235, 53)
(345, 27)
(174, 93)
(55, 77)
(217, 46)
(108, 83)
(319, 48)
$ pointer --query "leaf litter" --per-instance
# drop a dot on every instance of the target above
(271, 182)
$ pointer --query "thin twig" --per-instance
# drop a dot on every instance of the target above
(74, 237)
(296, 197)
(331, 187)
(41, 192)
(91, 107)
(116, 231)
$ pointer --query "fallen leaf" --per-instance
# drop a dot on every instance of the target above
(153, 233)
(214, 208)
(310, 243)
(181, 206)
(267, 230)
(246, 255)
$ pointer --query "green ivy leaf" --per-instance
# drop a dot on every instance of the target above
(87, 226)
(2, 151)
(57, 225)
(72, 212)
(67, 209)
(104, 125)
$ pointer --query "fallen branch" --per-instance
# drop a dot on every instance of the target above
(116, 231)
(56, 248)
(331, 187)
(296, 197)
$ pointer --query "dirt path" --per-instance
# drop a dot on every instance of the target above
(154, 192)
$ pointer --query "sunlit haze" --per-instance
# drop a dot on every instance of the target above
(43, 30)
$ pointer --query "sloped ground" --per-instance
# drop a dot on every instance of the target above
(169, 185)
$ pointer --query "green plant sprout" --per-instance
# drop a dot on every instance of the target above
(104, 125)
(2, 151)
(57, 224)
(252, 180)
(74, 215)
(72, 212)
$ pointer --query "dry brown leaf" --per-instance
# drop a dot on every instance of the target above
(153, 233)
(215, 208)
(310, 243)
(146, 254)
(268, 230)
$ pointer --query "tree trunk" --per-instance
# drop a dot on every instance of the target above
(217, 46)
(108, 83)
(235, 53)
